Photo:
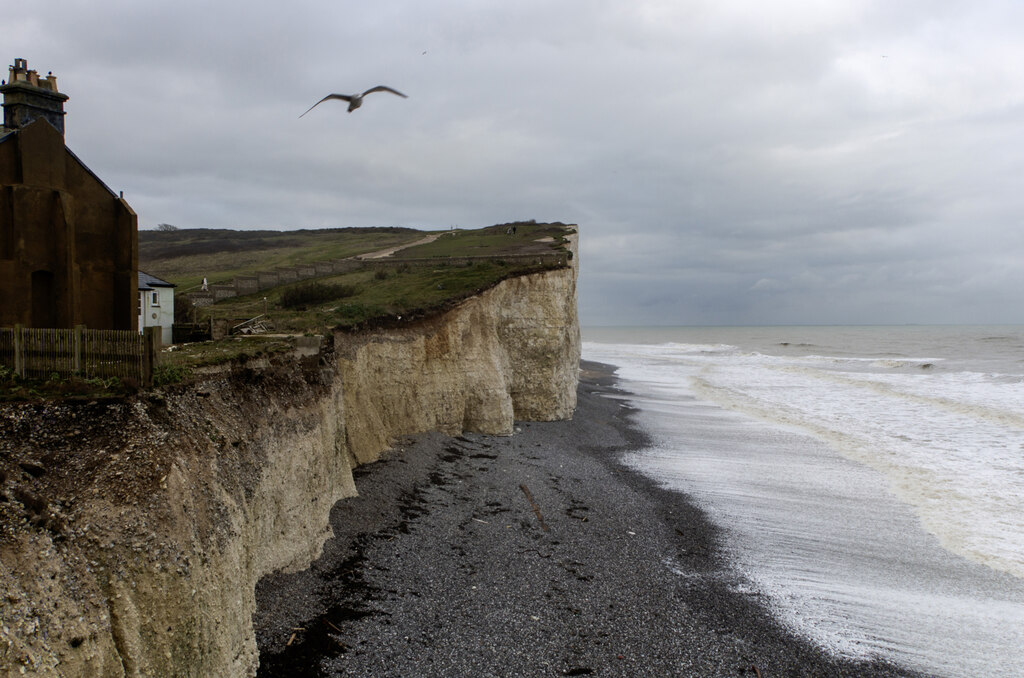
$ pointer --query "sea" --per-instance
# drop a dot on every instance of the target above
(868, 481)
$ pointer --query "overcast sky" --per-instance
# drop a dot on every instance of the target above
(728, 162)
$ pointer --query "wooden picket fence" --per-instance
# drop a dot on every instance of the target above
(40, 353)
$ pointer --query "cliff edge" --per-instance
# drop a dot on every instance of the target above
(133, 532)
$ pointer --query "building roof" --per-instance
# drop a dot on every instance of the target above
(148, 282)
(10, 133)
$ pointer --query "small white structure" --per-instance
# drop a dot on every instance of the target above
(156, 306)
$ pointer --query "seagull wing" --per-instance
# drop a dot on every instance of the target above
(343, 97)
(382, 88)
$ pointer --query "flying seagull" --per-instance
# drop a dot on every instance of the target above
(355, 100)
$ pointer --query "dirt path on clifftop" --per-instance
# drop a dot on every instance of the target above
(380, 254)
(538, 554)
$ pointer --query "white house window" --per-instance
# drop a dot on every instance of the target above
(156, 299)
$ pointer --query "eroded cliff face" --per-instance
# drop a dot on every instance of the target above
(132, 533)
(509, 353)
(139, 545)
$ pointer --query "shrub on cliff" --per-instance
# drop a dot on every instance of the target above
(170, 374)
(310, 294)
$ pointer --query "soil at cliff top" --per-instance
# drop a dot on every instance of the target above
(538, 554)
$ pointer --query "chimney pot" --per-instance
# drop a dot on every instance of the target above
(27, 98)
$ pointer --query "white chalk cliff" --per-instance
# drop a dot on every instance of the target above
(149, 521)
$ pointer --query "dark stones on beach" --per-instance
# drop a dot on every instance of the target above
(442, 567)
(33, 468)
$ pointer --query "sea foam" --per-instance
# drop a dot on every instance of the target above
(876, 503)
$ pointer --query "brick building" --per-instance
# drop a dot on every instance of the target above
(68, 244)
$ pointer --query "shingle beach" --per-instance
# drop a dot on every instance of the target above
(537, 554)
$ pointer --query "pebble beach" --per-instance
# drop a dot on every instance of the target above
(536, 554)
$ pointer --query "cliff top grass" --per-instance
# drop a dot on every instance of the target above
(414, 283)
(370, 297)
(494, 241)
(186, 256)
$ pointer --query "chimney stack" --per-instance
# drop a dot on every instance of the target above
(28, 97)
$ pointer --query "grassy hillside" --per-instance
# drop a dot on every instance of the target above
(184, 257)
(419, 281)
(433, 277)
(493, 241)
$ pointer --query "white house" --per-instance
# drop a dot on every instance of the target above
(156, 306)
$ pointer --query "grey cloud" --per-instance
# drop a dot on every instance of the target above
(728, 162)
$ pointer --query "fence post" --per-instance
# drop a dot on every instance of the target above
(19, 352)
(77, 360)
(150, 350)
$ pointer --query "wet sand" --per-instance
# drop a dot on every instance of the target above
(537, 554)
